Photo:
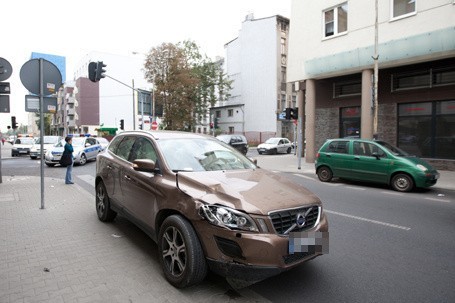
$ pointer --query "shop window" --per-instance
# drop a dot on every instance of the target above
(443, 76)
(402, 8)
(350, 122)
(335, 20)
(427, 129)
(423, 78)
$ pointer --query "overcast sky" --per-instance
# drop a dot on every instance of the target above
(74, 28)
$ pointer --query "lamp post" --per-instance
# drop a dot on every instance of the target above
(375, 77)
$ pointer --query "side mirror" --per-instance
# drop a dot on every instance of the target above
(254, 160)
(145, 165)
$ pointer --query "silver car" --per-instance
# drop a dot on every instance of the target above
(275, 146)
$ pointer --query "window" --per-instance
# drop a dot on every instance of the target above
(230, 112)
(283, 46)
(124, 148)
(142, 149)
(402, 8)
(350, 122)
(423, 78)
(339, 147)
(218, 114)
(336, 20)
(345, 89)
(231, 129)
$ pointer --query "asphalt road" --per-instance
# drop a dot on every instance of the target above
(385, 246)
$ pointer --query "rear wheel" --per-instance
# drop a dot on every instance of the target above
(289, 150)
(324, 174)
(103, 206)
(181, 254)
(402, 182)
(50, 164)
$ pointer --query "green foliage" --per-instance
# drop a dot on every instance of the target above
(47, 123)
(186, 83)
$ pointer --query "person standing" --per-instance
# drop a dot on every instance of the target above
(69, 169)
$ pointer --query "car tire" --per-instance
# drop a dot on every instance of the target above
(260, 153)
(180, 252)
(324, 174)
(103, 204)
(82, 160)
(274, 151)
(50, 164)
(402, 183)
(289, 150)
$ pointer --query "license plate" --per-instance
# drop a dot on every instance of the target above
(22, 151)
(56, 154)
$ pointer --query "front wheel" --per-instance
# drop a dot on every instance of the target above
(289, 150)
(83, 160)
(402, 182)
(103, 205)
(181, 255)
(324, 174)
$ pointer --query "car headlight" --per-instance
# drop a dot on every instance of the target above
(421, 167)
(227, 217)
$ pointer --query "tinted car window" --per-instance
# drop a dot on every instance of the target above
(142, 149)
(115, 142)
(340, 147)
(124, 148)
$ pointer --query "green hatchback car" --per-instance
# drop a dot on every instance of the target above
(373, 161)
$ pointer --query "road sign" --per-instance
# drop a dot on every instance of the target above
(30, 77)
(154, 125)
(32, 104)
(5, 69)
(4, 104)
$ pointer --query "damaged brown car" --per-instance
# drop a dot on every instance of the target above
(208, 207)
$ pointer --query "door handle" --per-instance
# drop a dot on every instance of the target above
(127, 177)
(356, 158)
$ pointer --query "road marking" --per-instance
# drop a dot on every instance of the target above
(368, 220)
(391, 193)
(306, 177)
(87, 178)
(355, 188)
(438, 200)
(331, 184)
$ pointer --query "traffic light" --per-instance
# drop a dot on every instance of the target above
(292, 113)
(13, 122)
(100, 71)
(92, 71)
(122, 124)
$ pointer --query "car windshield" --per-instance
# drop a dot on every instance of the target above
(201, 155)
(273, 141)
(393, 149)
(47, 140)
(25, 141)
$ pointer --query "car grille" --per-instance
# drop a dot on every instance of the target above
(289, 259)
(284, 219)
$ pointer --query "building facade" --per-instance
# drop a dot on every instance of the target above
(256, 61)
(334, 46)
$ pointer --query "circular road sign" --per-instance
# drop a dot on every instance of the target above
(30, 77)
(5, 69)
(154, 125)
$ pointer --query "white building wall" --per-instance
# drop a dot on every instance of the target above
(252, 63)
(116, 99)
(307, 43)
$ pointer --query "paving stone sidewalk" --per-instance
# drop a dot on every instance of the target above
(63, 253)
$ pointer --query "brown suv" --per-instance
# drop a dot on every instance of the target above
(208, 207)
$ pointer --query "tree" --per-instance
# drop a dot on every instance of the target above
(47, 122)
(186, 83)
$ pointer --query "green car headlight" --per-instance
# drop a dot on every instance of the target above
(227, 217)
(421, 167)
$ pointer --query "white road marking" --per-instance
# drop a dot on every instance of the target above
(355, 188)
(438, 200)
(306, 177)
(368, 220)
(391, 193)
(331, 184)
(87, 178)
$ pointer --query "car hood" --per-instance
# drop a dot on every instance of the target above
(255, 191)
(22, 145)
(416, 160)
(266, 145)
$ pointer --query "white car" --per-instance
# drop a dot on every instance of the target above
(48, 142)
(22, 146)
(85, 149)
(274, 146)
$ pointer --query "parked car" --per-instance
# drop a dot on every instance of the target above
(275, 145)
(48, 142)
(239, 142)
(103, 142)
(85, 149)
(373, 161)
(208, 207)
(22, 146)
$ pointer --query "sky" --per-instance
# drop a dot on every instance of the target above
(75, 28)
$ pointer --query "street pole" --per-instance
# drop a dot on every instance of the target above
(142, 110)
(376, 72)
(134, 106)
(41, 110)
(153, 104)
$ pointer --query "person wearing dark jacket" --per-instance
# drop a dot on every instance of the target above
(69, 169)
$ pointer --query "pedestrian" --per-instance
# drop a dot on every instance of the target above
(69, 169)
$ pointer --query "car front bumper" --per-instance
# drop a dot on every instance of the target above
(426, 179)
(255, 256)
